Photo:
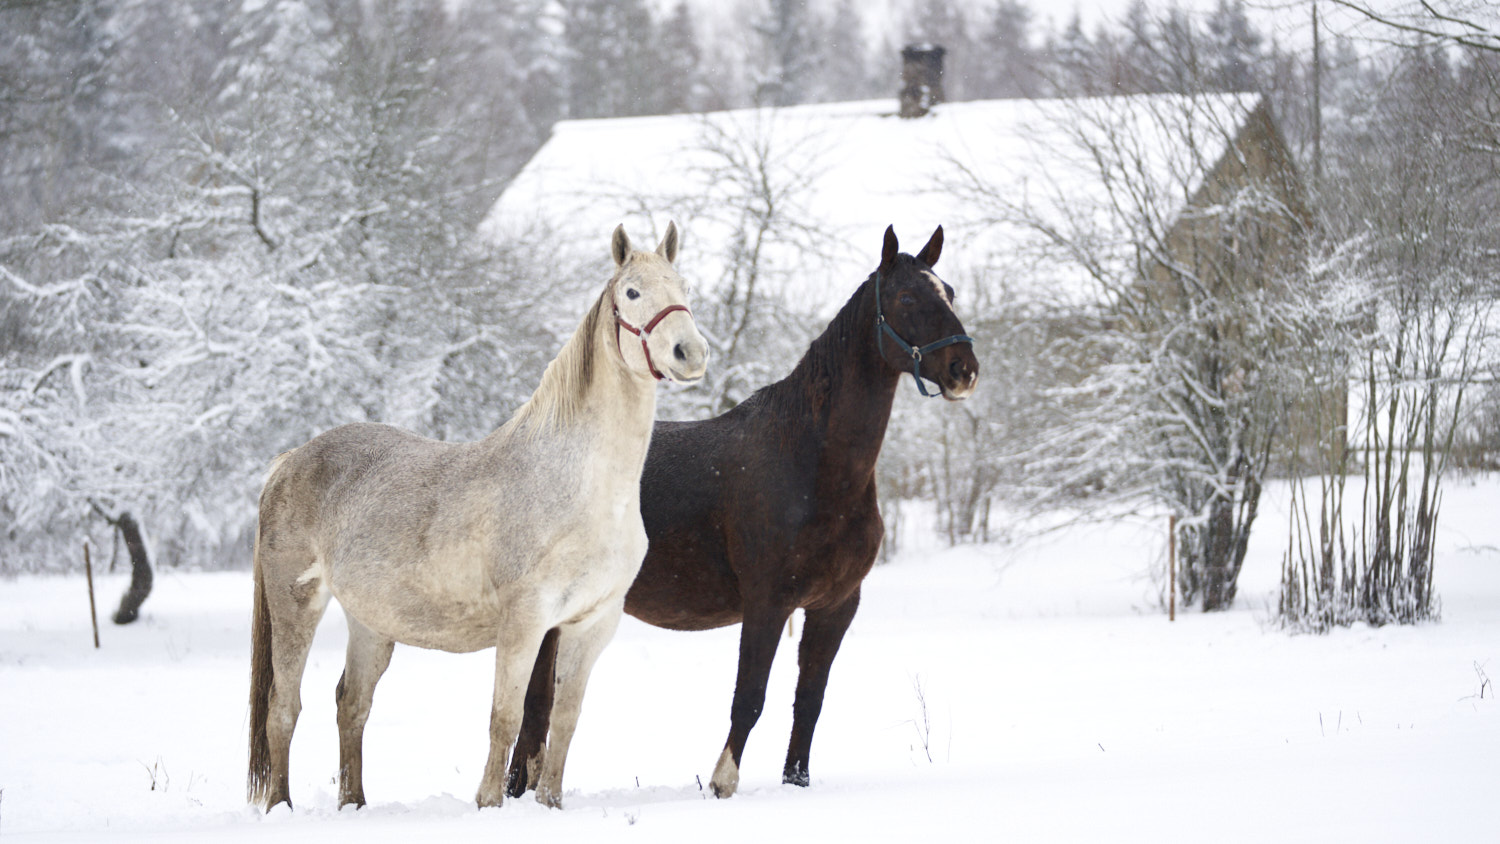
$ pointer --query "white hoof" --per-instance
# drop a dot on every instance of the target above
(489, 797)
(549, 798)
(726, 776)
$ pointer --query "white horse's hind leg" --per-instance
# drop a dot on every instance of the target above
(367, 658)
(515, 655)
(578, 647)
(296, 606)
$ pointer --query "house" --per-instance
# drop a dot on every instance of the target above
(809, 189)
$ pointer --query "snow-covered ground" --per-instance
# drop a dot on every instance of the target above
(1017, 693)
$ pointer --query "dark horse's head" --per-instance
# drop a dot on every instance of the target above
(922, 333)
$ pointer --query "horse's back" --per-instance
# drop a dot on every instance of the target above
(313, 482)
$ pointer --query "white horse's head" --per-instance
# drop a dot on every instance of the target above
(650, 302)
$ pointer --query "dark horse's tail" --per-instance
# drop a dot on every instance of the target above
(262, 674)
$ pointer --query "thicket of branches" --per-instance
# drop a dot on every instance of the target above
(1412, 190)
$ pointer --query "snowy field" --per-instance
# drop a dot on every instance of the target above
(1056, 704)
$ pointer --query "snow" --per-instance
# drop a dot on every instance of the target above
(1060, 703)
(847, 170)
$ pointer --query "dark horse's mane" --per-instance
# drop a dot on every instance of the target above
(807, 386)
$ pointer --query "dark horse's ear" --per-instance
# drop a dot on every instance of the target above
(619, 245)
(889, 250)
(668, 246)
(933, 249)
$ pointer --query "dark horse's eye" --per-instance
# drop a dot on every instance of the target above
(632, 293)
(906, 298)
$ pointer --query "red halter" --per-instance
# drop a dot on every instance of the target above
(645, 333)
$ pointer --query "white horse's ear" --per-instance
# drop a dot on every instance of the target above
(619, 245)
(668, 246)
(934, 248)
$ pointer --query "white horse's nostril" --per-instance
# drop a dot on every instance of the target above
(678, 353)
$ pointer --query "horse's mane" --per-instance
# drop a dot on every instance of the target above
(825, 360)
(558, 399)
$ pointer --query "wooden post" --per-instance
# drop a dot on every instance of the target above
(88, 570)
(1172, 568)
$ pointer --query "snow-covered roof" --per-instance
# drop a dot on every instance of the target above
(838, 174)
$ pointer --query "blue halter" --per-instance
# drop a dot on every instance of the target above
(913, 352)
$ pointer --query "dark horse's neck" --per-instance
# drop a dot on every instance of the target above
(843, 389)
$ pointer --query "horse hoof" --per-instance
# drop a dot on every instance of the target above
(549, 798)
(726, 777)
(797, 777)
(489, 798)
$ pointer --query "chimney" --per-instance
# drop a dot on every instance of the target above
(921, 78)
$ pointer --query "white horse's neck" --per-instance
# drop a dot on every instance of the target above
(588, 393)
(619, 404)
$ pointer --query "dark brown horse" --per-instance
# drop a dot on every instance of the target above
(772, 506)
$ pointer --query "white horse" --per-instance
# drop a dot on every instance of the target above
(465, 546)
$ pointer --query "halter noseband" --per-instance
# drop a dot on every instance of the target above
(645, 333)
(913, 352)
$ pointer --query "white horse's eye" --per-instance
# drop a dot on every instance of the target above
(632, 293)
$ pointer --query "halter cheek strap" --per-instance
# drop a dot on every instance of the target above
(645, 333)
(913, 352)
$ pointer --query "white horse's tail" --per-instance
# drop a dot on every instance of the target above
(262, 674)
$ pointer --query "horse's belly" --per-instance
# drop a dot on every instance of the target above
(417, 613)
(464, 599)
(685, 582)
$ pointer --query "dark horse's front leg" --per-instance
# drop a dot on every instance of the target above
(758, 638)
(822, 634)
(536, 720)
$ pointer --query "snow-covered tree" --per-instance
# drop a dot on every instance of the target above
(1172, 381)
(610, 58)
(678, 86)
(755, 187)
(845, 72)
(1011, 65)
(298, 258)
(787, 32)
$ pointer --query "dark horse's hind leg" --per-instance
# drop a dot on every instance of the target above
(526, 759)
(758, 638)
(822, 634)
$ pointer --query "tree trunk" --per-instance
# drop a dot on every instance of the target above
(1213, 552)
(140, 571)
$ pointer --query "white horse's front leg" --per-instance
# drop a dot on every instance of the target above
(515, 654)
(578, 647)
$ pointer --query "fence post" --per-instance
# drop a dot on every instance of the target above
(88, 570)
